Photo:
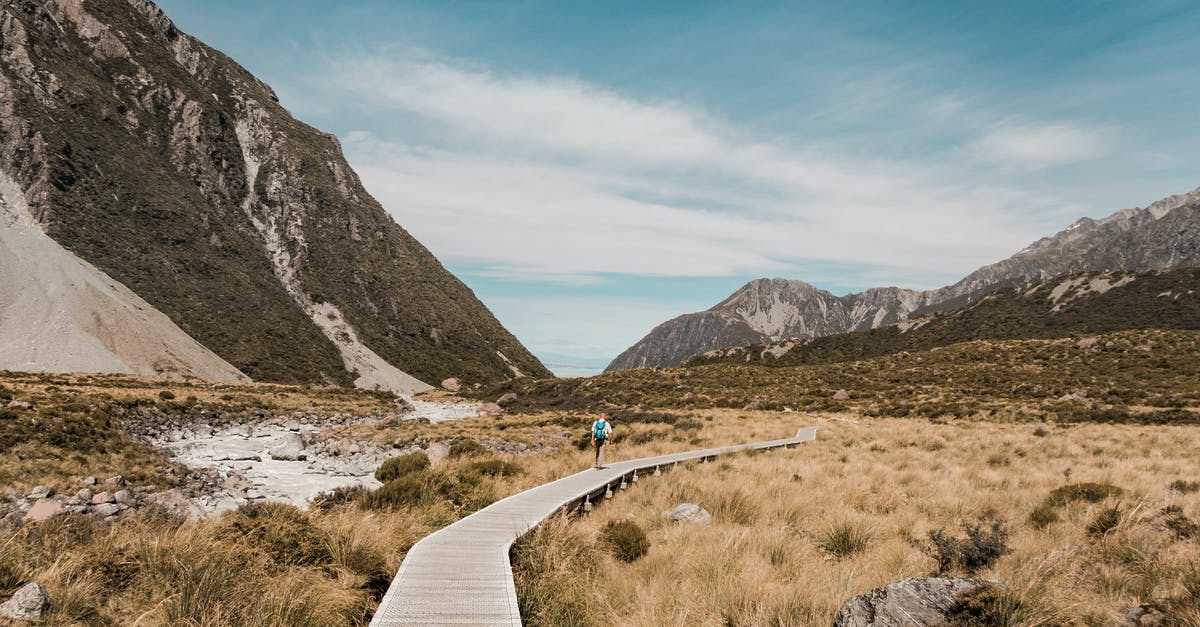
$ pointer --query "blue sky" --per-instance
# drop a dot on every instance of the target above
(591, 169)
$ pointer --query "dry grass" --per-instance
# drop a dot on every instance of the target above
(818, 524)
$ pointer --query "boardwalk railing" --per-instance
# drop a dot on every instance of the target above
(461, 575)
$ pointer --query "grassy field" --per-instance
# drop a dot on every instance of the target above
(1082, 506)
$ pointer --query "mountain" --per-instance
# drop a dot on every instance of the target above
(1162, 236)
(1073, 305)
(171, 169)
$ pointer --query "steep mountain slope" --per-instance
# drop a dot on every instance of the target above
(173, 170)
(61, 314)
(1073, 305)
(1161, 236)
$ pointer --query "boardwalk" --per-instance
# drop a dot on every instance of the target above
(460, 575)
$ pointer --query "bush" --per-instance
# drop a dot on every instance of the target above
(1184, 487)
(980, 549)
(338, 496)
(1086, 492)
(844, 540)
(1043, 516)
(1105, 521)
(625, 539)
(397, 467)
(282, 531)
(494, 468)
(1177, 522)
(407, 491)
(984, 606)
(466, 447)
(167, 395)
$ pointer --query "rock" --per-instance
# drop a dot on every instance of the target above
(29, 603)
(90, 481)
(105, 510)
(115, 482)
(41, 492)
(451, 385)
(908, 602)
(507, 399)
(688, 512)
(436, 452)
(403, 405)
(1141, 616)
(103, 497)
(1073, 397)
(44, 509)
(490, 409)
(290, 447)
(124, 497)
(841, 395)
(85, 495)
(1087, 342)
(19, 405)
(239, 458)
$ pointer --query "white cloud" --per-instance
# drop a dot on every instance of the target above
(557, 179)
(1034, 147)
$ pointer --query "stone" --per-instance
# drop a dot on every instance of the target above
(44, 509)
(908, 602)
(436, 452)
(19, 405)
(103, 497)
(451, 385)
(841, 395)
(90, 481)
(1141, 616)
(124, 497)
(116, 481)
(85, 495)
(1087, 342)
(41, 492)
(29, 603)
(507, 399)
(289, 447)
(688, 512)
(490, 409)
(105, 510)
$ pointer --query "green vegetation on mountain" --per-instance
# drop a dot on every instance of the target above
(1062, 307)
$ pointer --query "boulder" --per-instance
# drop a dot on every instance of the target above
(104, 510)
(41, 492)
(19, 405)
(44, 509)
(451, 385)
(841, 395)
(85, 495)
(124, 497)
(102, 498)
(114, 482)
(290, 447)
(507, 399)
(29, 603)
(1087, 342)
(909, 602)
(489, 409)
(688, 512)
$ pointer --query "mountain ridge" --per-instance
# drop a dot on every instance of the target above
(176, 172)
(1162, 235)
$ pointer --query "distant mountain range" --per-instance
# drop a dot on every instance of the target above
(168, 169)
(1162, 236)
(1072, 305)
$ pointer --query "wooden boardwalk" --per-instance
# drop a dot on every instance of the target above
(461, 575)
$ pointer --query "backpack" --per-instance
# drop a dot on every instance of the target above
(599, 427)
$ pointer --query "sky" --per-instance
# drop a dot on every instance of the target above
(591, 169)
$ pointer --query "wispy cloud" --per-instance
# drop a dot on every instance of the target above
(558, 179)
(1035, 147)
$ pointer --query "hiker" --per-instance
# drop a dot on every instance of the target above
(601, 432)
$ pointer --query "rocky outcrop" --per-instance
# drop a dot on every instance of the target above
(1162, 236)
(909, 602)
(30, 603)
(688, 512)
(178, 174)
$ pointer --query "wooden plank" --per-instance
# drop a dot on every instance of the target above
(461, 574)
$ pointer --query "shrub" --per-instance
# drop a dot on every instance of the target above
(1040, 432)
(1087, 492)
(1105, 521)
(980, 549)
(844, 539)
(1177, 522)
(167, 395)
(397, 467)
(282, 531)
(1043, 516)
(625, 539)
(494, 468)
(465, 447)
(983, 606)
(338, 496)
(1184, 487)
(407, 491)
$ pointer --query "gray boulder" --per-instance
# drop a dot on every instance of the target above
(290, 447)
(1141, 616)
(841, 395)
(688, 512)
(29, 603)
(908, 602)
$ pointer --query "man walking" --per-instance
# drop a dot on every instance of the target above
(601, 431)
